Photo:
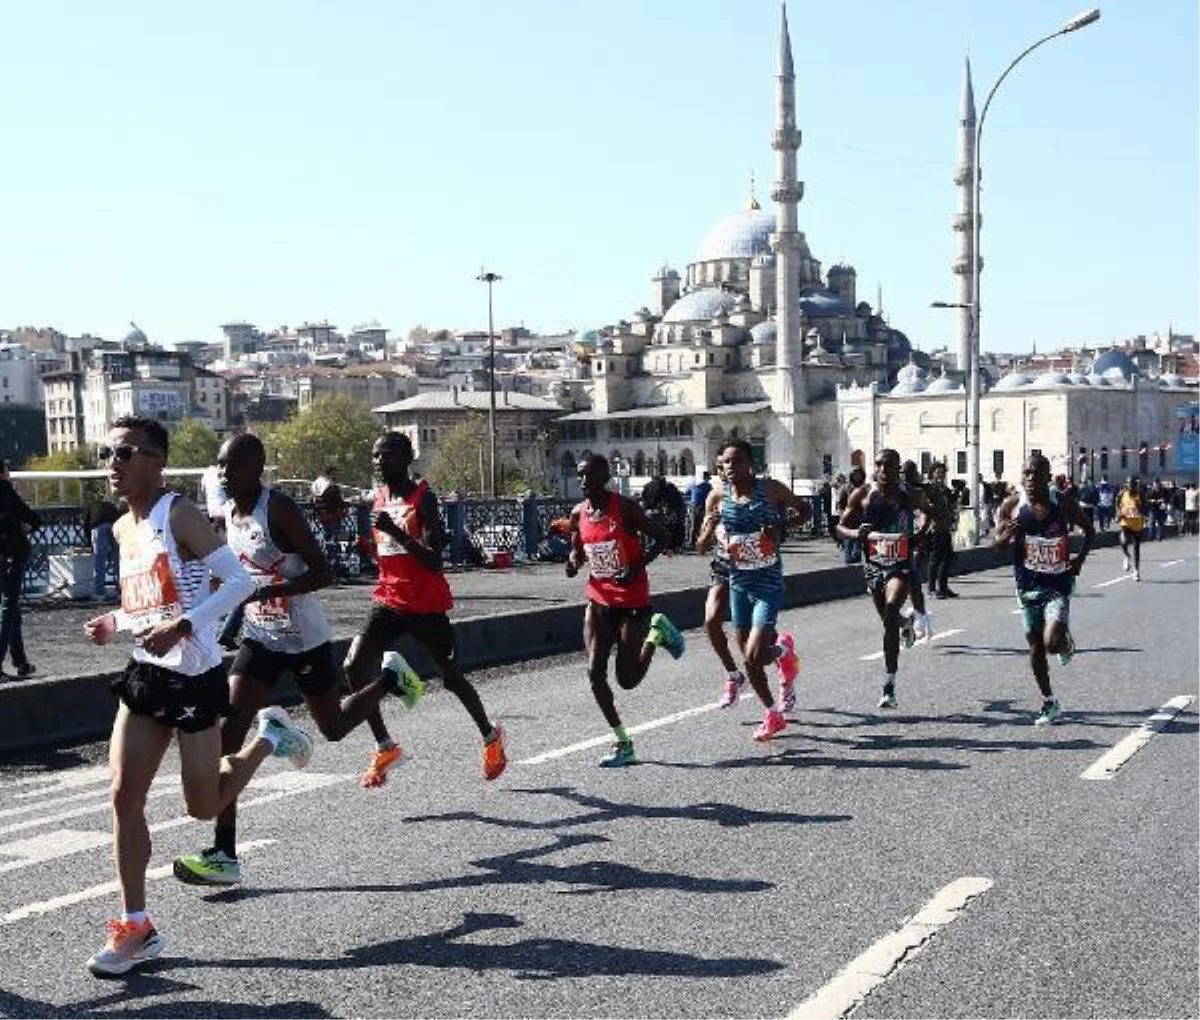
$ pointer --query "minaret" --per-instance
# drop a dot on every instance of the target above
(964, 178)
(787, 191)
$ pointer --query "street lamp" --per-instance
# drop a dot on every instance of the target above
(1081, 20)
(489, 279)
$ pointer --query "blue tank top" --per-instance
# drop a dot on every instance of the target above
(751, 539)
(1042, 549)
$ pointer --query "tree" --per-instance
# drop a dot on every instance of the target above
(335, 432)
(193, 444)
(56, 491)
(462, 461)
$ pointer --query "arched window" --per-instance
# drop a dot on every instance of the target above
(639, 464)
(1035, 418)
(923, 420)
(997, 420)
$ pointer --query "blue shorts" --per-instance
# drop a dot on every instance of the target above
(1039, 605)
(754, 610)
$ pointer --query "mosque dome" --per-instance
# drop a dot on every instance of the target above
(700, 305)
(1047, 379)
(898, 345)
(910, 379)
(740, 236)
(135, 337)
(1171, 380)
(1013, 381)
(1098, 380)
(944, 384)
(764, 332)
(819, 303)
(1079, 379)
(1115, 362)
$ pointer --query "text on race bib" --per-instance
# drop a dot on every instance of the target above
(149, 595)
(1046, 555)
(604, 558)
(887, 549)
(752, 551)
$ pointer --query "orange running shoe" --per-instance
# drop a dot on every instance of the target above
(381, 764)
(128, 945)
(494, 759)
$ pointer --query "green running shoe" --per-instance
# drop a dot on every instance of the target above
(209, 867)
(1049, 713)
(622, 754)
(402, 680)
(665, 634)
(1067, 652)
(888, 700)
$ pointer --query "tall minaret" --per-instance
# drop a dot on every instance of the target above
(787, 191)
(964, 178)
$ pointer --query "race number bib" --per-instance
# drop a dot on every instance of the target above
(149, 596)
(386, 545)
(887, 550)
(753, 551)
(1046, 555)
(271, 614)
(604, 558)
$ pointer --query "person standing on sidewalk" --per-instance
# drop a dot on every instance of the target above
(944, 508)
(101, 515)
(412, 597)
(750, 511)
(17, 522)
(174, 683)
(617, 540)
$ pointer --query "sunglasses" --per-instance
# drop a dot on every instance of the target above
(124, 452)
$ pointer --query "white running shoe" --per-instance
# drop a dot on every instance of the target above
(291, 742)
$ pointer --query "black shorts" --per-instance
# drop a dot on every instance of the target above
(718, 572)
(878, 577)
(616, 615)
(314, 671)
(385, 626)
(187, 703)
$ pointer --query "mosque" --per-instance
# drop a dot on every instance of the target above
(756, 341)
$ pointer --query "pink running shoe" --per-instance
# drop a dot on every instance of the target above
(789, 661)
(733, 688)
(773, 723)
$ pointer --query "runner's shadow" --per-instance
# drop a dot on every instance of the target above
(602, 810)
(807, 758)
(529, 959)
(520, 868)
(1001, 712)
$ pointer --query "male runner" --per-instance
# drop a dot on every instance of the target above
(284, 631)
(613, 535)
(1131, 520)
(716, 609)
(175, 682)
(1037, 522)
(411, 596)
(881, 515)
(749, 509)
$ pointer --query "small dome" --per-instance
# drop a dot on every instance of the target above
(1171, 380)
(1079, 379)
(700, 305)
(944, 384)
(1115, 361)
(910, 379)
(740, 236)
(1047, 379)
(764, 333)
(1098, 380)
(135, 337)
(1013, 381)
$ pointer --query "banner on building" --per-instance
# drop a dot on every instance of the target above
(1187, 437)
(162, 402)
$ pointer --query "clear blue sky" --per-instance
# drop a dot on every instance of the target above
(289, 160)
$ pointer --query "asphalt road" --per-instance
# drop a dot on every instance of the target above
(717, 878)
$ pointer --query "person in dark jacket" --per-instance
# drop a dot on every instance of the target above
(17, 522)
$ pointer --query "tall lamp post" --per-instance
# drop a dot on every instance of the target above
(1082, 20)
(489, 279)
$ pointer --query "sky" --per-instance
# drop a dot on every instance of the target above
(282, 161)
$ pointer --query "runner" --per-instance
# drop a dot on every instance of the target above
(616, 539)
(175, 682)
(411, 597)
(716, 609)
(749, 510)
(1131, 519)
(881, 515)
(1037, 522)
(285, 631)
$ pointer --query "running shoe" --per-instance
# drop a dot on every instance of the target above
(291, 742)
(888, 698)
(401, 679)
(128, 945)
(665, 634)
(208, 867)
(733, 689)
(381, 764)
(1067, 652)
(621, 755)
(773, 723)
(908, 635)
(1049, 713)
(494, 758)
(1125, 565)
(1137, 574)
(789, 661)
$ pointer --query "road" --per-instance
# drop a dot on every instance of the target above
(946, 860)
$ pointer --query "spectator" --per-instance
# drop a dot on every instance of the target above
(17, 522)
(1089, 497)
(98, 520)
(330, 509)
(697, 493)
(1191, 510)
(851, 547)
(1106, 497)
(1156, 506)
(212, 495)
(944, 504)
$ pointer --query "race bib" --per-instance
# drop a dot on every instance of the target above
(886, 550)
(1046, 555)
(386, 545)
(604, 558)
(149, 596)
(271, 614)
(753, 551)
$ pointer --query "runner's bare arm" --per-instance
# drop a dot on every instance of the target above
(1006, 524)
(712, 517)
(850, 524)
(294, 535)
(576, 557)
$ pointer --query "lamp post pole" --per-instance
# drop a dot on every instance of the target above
(1082, 20)
(489, 279)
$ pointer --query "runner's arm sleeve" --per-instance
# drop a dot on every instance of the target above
(236, 587)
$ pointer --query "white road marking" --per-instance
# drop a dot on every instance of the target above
(1171, 563)
(583, 745)
(61, 781)
(106, 888)
(1107, 765)
(843, 994)
(165, 788)
(936, 637)
(1115, 580)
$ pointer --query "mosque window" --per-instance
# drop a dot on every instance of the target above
(997, 463)
(997, 421)
(1104, 458)
(1035, 419)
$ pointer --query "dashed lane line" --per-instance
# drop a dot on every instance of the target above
(1107, 766)
(850, 987)
(583, 745)
(1115, 580)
